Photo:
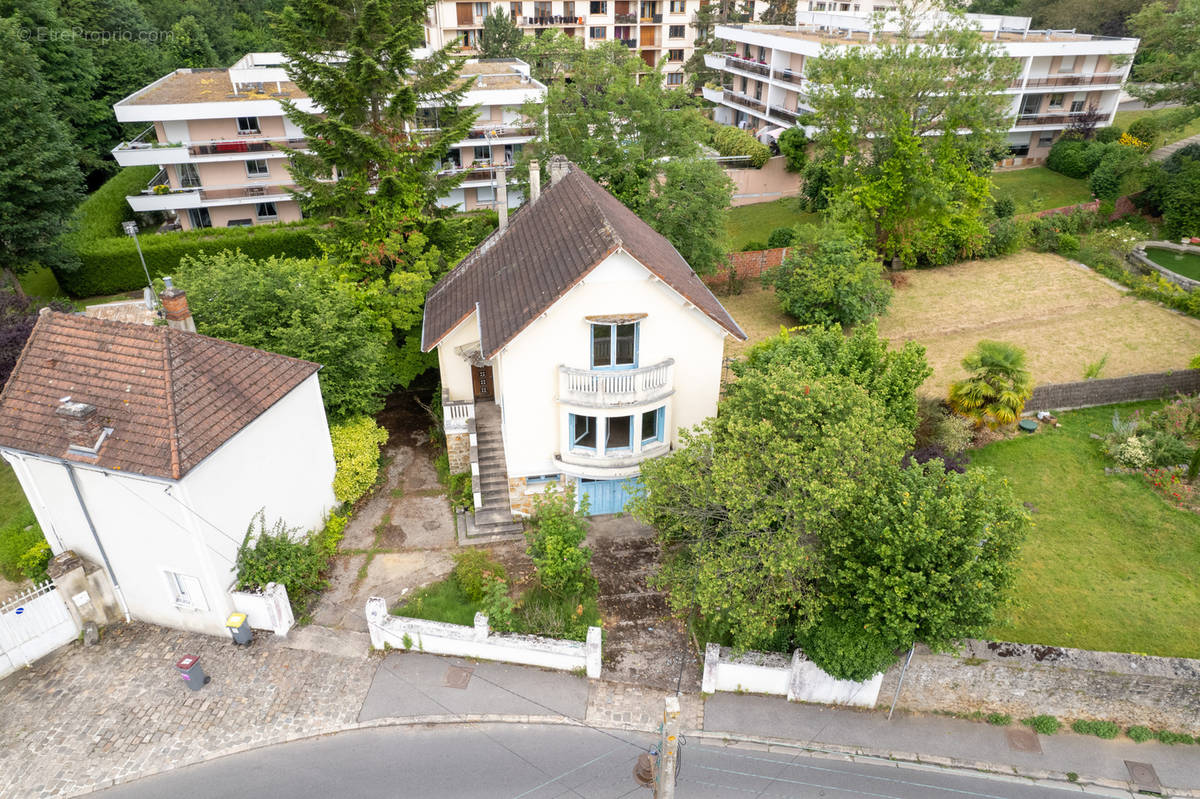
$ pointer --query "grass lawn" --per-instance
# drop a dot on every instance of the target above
(12, 498)
(1109, 565)
(1124, 118)
(41, 282)
(1037, 188)
(755, 222)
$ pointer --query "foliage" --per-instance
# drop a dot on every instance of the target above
(1043, 724)
(1102, 17)
(188, 45)
(459, 491)
(1066, 157)
(501, 36)
(1145, 129)
(17, 317)
(304, 309)
(1093, 370)
(1170, 59)
(474, 569)
(1172, 738)
(999, 719)
(830, 276)
(538, 612)
(33, 563)
(1101, 729)
(938, 427)
(497, 604)
(283, 555)
(839, 647)
(690, 206)
(356, 442)
(20, 535)
(1165, 438)
(443, 600)
(39, 179)
(1181, 212)
(1139, 734)
(101, 214)
(781, 237)
(1109, 134)
(889, 139)
(1118, 171)
(732, 142)
(997, 387)
(936, 453)
(555, 545)
(793, 146)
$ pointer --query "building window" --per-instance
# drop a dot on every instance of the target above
(678, 6)
(652, 425)
(614, 346)
(484, 153)
(186, 591)
(188, 177)
(1056, 101)
(583, 432)
(482, 9)
(199, 217)
(675, 56)
(676, 31)
(569, 9)
(619, 433)
(257, 168)
(1046, 139)
(1077, 104)
(674, 78)
(598, 33)
(247, 125)
(266, 211)
(598, 7)
(514, 9)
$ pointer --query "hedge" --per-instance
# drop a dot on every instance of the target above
(101, 214)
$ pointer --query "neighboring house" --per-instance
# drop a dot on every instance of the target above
(573, 344)
(1062, 74)
(217, 135)
(147, 450)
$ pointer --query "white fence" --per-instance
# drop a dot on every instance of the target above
(768, 673)
(33, 624)
(268, 609)
(440, 638)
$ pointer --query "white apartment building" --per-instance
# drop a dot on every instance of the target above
(1062, 73)
(217, 134)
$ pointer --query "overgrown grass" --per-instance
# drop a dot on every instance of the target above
(755, 222)
(440, 601)
(1037, 188)
(1109, 565)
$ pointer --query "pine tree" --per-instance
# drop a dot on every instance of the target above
(39, 179)
(501, 36)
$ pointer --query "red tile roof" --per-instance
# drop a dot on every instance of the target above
(548, 247)
(170, 397)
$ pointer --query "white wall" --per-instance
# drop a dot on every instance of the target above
(455, 371)
(797, 678)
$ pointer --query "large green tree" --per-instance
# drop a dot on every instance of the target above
(909, 128)
(1168, 70)
(690, 206)
(189, 46)
(830, 276)
(501, 36)
(39, 178)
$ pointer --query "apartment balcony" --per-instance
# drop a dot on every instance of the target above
(742, 100)
(790, 117)
(630, 43)
(145, 150)
(712, 95)
(1058, 119)
(625, 19)
(609, 465)
(1094, 79)
(142, 152)
(605, 388)
(734, 61)
(787, 76)
(499, 134)
(714, 61)
(235, 147)
(158, 196)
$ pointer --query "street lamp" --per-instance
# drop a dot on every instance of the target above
(131, 229)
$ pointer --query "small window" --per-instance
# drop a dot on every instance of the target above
(186, 591)
(676, 31)
(678, 6)
(542, 479)
(652, 425)
(266, 211)
(188, 177)
(257, 168)
(598, 33)
(675, 56)
(598, 7)
(515, 9)
(569, 9)
(199, 217)
(484, 153)
(1045, 139)
(583, 432)
(674, 78)
(247, 125)
(614, 346)
(482, 9)
(620, 433)
(1056, 101)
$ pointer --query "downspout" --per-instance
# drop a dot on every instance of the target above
(96, 537)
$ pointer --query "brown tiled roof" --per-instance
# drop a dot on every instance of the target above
(170, 397)
(548, 247)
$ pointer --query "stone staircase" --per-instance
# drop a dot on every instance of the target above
(495, 516)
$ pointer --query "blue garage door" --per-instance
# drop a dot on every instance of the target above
(607, 496)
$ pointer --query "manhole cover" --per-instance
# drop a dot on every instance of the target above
(457, 677)
(1143, 776)
(1023, 741)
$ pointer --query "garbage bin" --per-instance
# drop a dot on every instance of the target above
(190, 671)
(239, 628)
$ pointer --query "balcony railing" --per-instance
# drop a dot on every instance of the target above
(747, 65)
(474, 172)
(455, 415)
(793, 116)
(630, 43)
(235, 146)
(1048, 119)
(502, 131)
(788, 76)
(1099, 78)
(742, 100)
(602, 388)
(218, 193)
(625, 19)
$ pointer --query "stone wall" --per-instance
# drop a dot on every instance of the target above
(520, 496)
(458, 447)
(1023, 680)
(1089, 393)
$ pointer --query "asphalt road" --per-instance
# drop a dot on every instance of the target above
(528, 762)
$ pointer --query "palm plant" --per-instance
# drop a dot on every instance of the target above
(997, 387)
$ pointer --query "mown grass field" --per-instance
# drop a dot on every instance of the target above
(1037, 188)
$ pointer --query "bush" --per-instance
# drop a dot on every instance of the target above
(1046, 725)
(1114, 175)
(356, 444)
(541, 613)
(753, 246)
(33, 563)
(1145, 128)
(17, 538)
(1004, 207)
(1180, 211)
(1066, 157)
(781, 237)
(793, 146)
(460, 491)
(730, 141)
(845, 650)
(950, 462)
(1005, 236)
(1067, 245)
(938, 427)
(1109, 134)
(999, 719)
(283, 555)
(1101, 729)
(831, 277)
(1139, 734)
(101, 214)
(817, 178)
(1172, 738)
(473, 570)
(555, 538)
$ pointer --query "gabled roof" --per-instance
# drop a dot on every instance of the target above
(548, 247)
(170, 397)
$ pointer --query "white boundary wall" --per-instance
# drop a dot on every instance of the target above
(441, 638)
(33, 624)
(771, 673)
(268, 609)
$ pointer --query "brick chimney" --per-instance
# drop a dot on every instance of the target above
(535, 181)
(175, 306)
(82, 425)
(558, 168)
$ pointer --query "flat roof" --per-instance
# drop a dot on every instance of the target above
(208, 86)
(828, 35)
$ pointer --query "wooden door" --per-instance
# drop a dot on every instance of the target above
(465, 12)
(481, 380)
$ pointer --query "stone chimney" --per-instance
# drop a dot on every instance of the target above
(502, 196)
(82, 425)
(175, 305)
(535, 181)
(558, 168)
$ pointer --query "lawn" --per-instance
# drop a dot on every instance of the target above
(12, 498)
(755, 222)
(1124, 118)
(1109, 564)
(1037, 188)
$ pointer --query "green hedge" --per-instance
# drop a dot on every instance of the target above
(101, 214)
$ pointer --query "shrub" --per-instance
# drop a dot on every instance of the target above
(1066, 157)
(1067, 245)
(555, 545)
(1004, 207)
(753, 246)
(1094, 154)
(1109, 134)
(793, 144)
(1005, 237)
(730, 141)
(497, 604)
(1114, 174)
(283, 555)
(33, 563)
(831, 277)
(1138, 733)
(781, 237)
(101, 214)
(950, 462)
(845, 650)
(356, 444)
(474, 569)
(460, 491)
(17, 538)
(1172, 738)
(1101, 729)
(1145, 128)
(999, 719)
(937, 427)
(1181, 212)
(817, 178)
(997, 387)
(1046, 725)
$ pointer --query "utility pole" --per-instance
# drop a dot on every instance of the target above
(668, 751)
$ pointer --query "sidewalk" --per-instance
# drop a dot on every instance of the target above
(1166, 151)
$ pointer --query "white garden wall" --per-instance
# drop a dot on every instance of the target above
(799, 680)
(440, 638)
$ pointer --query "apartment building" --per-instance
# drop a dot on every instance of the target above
(1062, 75)
(218, 136)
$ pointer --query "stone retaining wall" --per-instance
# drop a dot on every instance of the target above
(1090, 393)
(1139, 257)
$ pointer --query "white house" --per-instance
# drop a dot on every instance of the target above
(148, 450)
(573, 345)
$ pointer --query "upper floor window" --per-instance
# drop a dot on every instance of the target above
(678, 6)
(266, 211)
(1067, 64)
(247, 125)
(675, 56)
(1056, 100)
(516, 9)
(482, 9)
(1077, 106)
(583, 432)
(598, 32)
(676, 31)
(257, 168)
(652, 425)
(674, 78)
(483, 153)
(598, 7)
(569, 9)
(614, 346)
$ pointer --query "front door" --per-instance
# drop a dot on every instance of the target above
(481, 379)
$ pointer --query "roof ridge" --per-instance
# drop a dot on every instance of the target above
(172, 419)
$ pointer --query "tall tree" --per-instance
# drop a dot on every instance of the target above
(690, 206)
(1169, 68)
(891, 120)
(39, 178)
(386, 121)
(189, 46)
(501, 36)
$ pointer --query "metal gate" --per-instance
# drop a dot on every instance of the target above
(607, 496)
(33, 624)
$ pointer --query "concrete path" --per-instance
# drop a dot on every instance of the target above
(1166, 151)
